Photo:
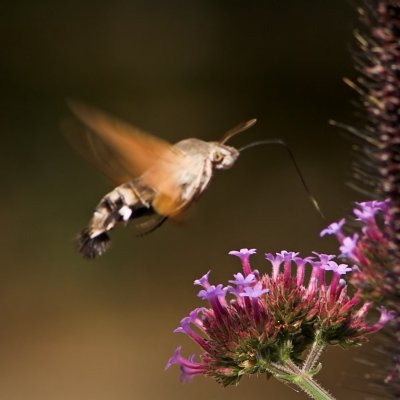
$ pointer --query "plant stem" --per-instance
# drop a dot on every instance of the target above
(314, 354)
(305, 382)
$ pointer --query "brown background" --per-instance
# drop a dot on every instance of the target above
(77, 330)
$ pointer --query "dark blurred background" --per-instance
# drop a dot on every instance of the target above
(73, 329)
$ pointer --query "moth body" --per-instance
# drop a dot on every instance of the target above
(155, 180)
(136, 199)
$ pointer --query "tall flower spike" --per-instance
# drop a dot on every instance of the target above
(377, 168)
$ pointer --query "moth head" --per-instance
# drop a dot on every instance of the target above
(222, 156)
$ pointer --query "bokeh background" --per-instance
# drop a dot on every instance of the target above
(77, 330)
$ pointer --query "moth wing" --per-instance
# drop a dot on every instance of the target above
(121, 151)
(176, 180)
(95, 151)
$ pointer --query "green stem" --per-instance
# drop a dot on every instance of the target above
(314, 354)
(305, 382)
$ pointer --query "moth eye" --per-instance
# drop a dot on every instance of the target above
(217, 157)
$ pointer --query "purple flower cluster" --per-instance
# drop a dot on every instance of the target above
(260, 321)
(369, 249)
(378, 270)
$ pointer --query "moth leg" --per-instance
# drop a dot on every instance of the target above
(150, 226)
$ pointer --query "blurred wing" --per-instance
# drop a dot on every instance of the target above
(124, 152)
(121, 151)
(91, 148)
(177, 181)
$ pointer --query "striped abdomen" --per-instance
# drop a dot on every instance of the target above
(128, 201)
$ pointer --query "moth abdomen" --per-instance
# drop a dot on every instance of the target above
(129, 201)
(91, 247)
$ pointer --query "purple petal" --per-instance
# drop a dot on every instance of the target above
(254, 292)
(189, 367)
(203, 281)
(243, 253)
(194, 315)
(235, 290)
(348, 246)
(324, 258)
(340, 269)
(367, 210)
(288, 255)
(385, 317)
(276, 262)
(175, 358)
(213, 292)
(334, 228)
(240, 280)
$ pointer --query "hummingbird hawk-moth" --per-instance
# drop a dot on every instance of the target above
(155, 179)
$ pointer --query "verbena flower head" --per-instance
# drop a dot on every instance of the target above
(259, 322)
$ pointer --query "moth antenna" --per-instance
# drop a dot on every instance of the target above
(237, 129)
(291, 155)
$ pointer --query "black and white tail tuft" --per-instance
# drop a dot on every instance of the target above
(92, 247)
